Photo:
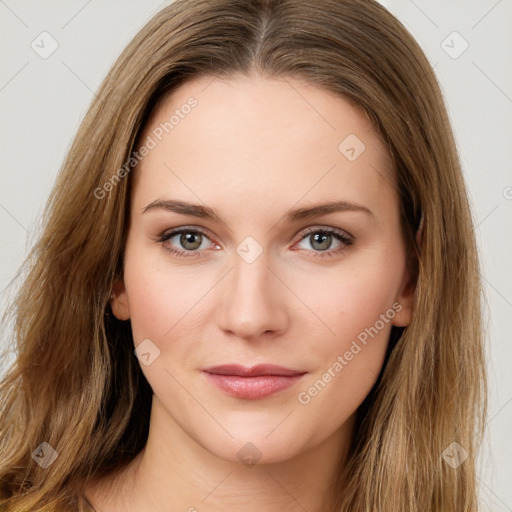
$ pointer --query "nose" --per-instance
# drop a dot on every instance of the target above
(252, 302)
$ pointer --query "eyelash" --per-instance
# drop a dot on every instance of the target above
(341, 236)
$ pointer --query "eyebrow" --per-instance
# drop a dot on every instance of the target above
(205, 212)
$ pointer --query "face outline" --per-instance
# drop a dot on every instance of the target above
(246, 141)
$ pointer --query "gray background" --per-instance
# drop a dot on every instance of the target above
(43, 100)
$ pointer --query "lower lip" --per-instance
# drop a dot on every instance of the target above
(253, 387)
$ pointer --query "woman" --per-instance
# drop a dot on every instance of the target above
(257, 287)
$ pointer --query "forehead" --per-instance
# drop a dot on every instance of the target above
(266, 139)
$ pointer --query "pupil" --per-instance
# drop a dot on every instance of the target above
(190, 238)
(322, 238)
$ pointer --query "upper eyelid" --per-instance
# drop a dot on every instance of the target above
(169, 233)
(327, 229)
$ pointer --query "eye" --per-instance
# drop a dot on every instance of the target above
(190, 242)
(321, 241)
(185, 242)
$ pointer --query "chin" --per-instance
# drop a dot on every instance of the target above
(256, 448)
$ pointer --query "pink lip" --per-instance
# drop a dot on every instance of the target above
(256, 382)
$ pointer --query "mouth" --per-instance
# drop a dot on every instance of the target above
(252, 383)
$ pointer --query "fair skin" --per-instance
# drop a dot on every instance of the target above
(252, 149)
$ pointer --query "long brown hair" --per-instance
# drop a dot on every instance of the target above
(75, 383)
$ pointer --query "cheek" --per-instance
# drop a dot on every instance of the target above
(159, 301)
(155, 294)
(335, 305)
(358, 307)
(335, 319)
(349, 299)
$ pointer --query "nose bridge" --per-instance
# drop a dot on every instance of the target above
(252, 303)
(251, 279)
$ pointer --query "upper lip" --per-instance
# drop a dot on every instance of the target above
(253, 371)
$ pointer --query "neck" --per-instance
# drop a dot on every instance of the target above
(175, 473)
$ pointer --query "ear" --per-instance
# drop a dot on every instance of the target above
(405, 297)
(119, 301)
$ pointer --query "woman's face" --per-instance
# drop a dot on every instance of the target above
(262, 272)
